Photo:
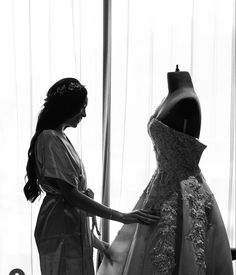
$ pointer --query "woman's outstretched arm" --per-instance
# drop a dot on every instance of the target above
(80, 200)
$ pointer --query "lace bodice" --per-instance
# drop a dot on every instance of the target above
(174, 150)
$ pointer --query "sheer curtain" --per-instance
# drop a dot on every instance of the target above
(42, 41)
(152, 37)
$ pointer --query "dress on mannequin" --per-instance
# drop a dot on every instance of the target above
(190, 236)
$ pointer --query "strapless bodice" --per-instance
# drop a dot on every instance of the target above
(174, 150)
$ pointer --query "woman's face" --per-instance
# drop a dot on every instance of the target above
(74, 121)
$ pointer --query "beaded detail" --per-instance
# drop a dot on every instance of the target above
(199, 203)
(163, 253)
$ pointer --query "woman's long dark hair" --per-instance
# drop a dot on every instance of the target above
(65, 99)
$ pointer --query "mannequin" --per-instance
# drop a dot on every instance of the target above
(181, 108)
(190, 237)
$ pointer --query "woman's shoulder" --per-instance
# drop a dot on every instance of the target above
(48, 133)
(48, 136)
(49, 142)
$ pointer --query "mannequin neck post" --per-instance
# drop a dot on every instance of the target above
(178, 80)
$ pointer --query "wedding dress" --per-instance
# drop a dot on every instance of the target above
(189, 237)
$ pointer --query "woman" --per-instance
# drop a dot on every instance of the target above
(62, 232)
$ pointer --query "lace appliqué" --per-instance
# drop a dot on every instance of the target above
(163, 253)
(199, 202)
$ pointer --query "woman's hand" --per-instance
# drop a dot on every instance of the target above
(140, 216)
(105, 251)
(102, 247)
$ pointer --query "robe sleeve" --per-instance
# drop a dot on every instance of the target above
(55, 159)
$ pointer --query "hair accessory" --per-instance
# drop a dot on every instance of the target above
(64, 89)
(71, 87)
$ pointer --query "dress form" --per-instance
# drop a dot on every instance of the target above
(181, 108)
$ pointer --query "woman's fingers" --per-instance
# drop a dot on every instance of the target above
(147, 215)
(149, 212)
(144, 221)
(140, 217)
(146, 218)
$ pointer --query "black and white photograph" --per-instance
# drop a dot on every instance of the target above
(118, 137)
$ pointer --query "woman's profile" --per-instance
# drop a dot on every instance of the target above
(63, 237)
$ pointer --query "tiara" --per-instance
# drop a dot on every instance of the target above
(62, 90)
(71, 87)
